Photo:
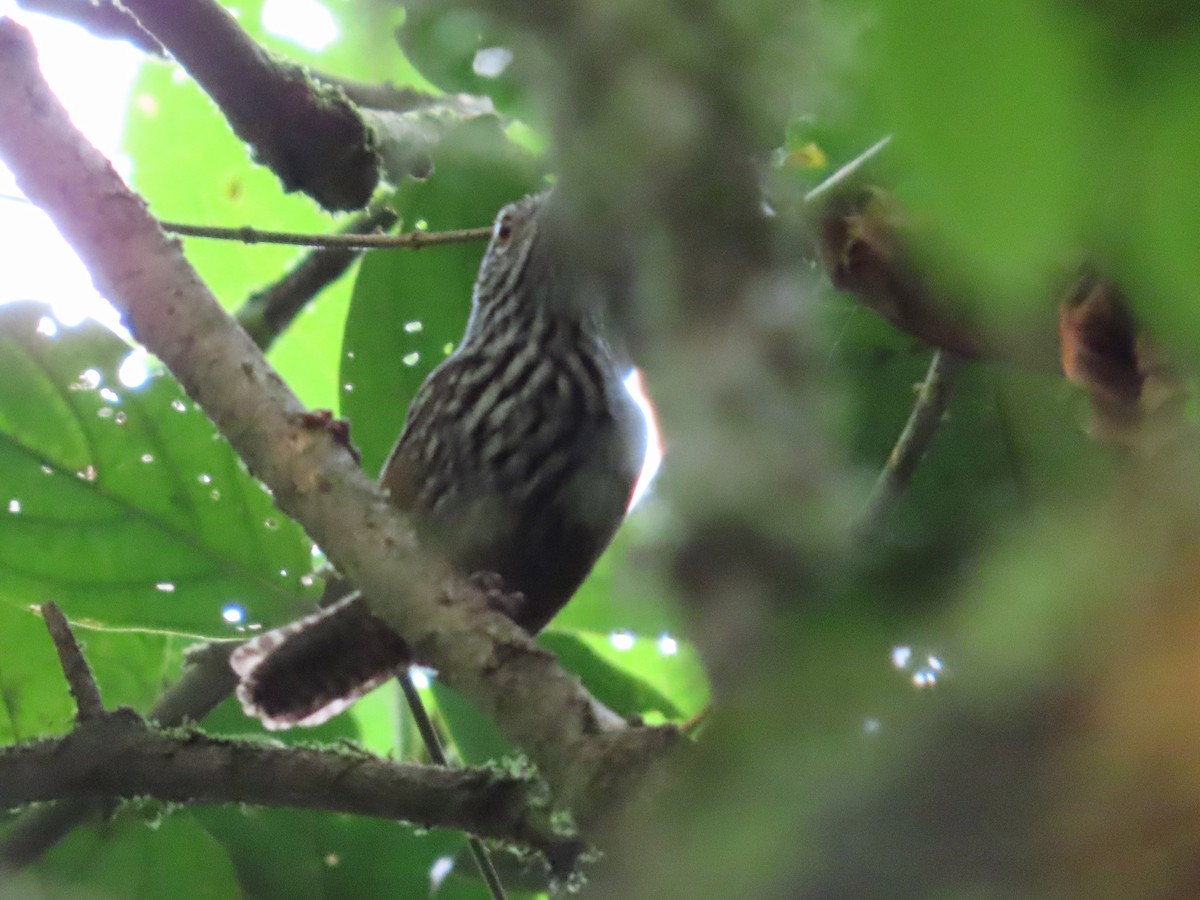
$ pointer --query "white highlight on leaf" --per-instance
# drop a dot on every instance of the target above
(134, 370)
(442, 866)
(622, 640)
(490, 62)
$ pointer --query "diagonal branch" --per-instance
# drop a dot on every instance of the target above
(313, 138)
(103, 18)
(75, 668)
(590, 758)
(933, 399)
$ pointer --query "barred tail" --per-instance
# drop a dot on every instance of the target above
(310, 670)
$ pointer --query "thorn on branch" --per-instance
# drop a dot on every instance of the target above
(82, 683)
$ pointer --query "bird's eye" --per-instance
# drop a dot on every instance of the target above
(503, 230)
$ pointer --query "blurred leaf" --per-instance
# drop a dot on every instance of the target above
(1159, 182)
(129, 859)
(989, 104)
(284, 854)
(123, 504)
(410, 307)
(445, 43)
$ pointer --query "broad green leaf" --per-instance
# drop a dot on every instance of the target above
(123, 504)
(462, 51)
(132, 860)
(475, 736)
(33, 693)
(1158, 218)
(286, 854)
(410, 307)
(617, 597)
(615, 677)
(988, 107)
(644, 678)
(130, 668)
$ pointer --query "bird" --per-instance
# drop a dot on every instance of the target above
(517, 461)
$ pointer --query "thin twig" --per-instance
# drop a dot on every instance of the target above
(267, 313)
(933, 398)
(411, 239)
(433, 744)
(848, 169)
(78, 673)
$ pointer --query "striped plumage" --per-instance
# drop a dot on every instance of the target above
(518, 457)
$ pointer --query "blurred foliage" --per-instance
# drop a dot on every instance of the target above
(1024, 564)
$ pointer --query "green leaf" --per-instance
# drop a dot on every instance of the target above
(617, 682)
(123, 504)
(989, 103)
(443, 43)
(616, 597)
(475, 736)
(641, 679)
(130, 859)
(299, 855)
(33, 693)
(229, 720)
(409, 307)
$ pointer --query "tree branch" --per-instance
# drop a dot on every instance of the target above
(311, 137)
(118, 755)
(267, 313)
(411, 240)
(103, 18)
(933, 399)
(584, 751)
(75, 668)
